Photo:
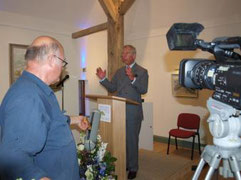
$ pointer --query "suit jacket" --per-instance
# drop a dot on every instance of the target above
(122, 84)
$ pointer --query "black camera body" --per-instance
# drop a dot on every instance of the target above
(223, 75)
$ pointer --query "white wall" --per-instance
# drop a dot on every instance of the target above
(94, 49)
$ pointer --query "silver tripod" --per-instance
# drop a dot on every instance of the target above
(225, 127)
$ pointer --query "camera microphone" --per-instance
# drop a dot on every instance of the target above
(62, 81)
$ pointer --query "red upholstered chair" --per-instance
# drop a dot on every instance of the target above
(187, 126)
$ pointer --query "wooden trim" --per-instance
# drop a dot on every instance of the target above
(125, 5)
(181, 143)
(88, 31)
(95, 97)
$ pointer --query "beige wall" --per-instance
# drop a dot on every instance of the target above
(152, 51)
(153, 54)
(19, 29)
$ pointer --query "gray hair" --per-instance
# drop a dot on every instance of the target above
(41, 52)
(133, 49)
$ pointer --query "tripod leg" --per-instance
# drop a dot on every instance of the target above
(226, 170)
(235, 167)
(237, 175)
(198, 170)
(210, 173)
(213, 165)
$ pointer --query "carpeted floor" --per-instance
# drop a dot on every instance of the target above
(156, 166)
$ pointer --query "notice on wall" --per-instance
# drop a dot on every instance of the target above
(105, 112)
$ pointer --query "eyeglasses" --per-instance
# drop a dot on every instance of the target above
(64, 62)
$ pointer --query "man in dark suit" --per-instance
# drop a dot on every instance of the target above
(130, 81)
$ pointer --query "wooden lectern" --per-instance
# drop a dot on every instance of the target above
(114, 132)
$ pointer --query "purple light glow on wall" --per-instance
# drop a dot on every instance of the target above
(83, 60)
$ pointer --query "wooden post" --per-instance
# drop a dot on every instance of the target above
(115, 11)
(82, 97)
(115, 45)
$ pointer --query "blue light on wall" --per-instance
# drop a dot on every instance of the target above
(84, 25)
(83, 62)
(83, 59)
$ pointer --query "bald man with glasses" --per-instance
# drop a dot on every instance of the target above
(36, 141)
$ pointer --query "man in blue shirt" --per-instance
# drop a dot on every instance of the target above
(36, 140)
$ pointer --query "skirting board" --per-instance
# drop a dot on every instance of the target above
(180, 142)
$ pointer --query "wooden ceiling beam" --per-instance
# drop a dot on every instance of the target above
(125, 5)
(91, 30)
(109, 8)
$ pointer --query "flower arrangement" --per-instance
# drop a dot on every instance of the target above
(97, 164)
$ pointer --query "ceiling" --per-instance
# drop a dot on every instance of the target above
(79, 13)
(142, 15)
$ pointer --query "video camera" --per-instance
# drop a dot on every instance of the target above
(223, 75)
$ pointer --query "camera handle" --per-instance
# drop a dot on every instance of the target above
(225, 127)
(219, 50)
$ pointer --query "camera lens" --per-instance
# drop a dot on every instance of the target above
(201, 75)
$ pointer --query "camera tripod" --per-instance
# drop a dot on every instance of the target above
(213, 155)
(225, 127)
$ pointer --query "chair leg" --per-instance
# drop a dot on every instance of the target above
(168, 144)
(199, 144)
(176, 143)
(193, 147)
